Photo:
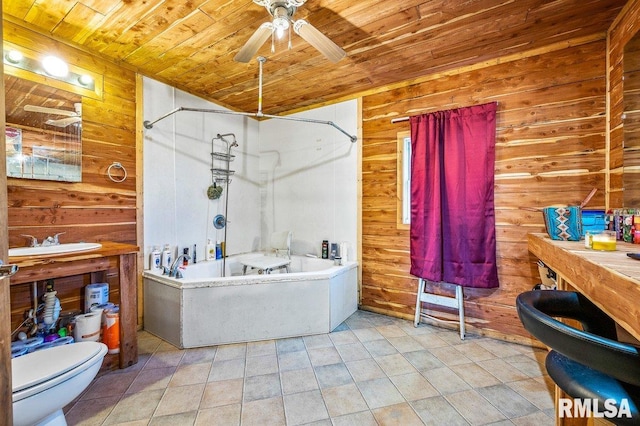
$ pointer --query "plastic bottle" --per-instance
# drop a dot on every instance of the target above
(154, 258)
(166, 256)
(195, 260)
(211, 250)
(325, 249)
(185, 260)
(218, 250)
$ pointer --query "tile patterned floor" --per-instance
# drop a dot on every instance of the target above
(372, 370)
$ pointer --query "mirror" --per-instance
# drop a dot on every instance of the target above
(631, 119)
(43, 131)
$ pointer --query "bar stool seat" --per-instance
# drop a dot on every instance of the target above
(588, 363)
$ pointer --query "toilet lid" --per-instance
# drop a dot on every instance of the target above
(40, 366)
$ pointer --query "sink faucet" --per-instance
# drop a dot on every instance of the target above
(173, 270)
(52, 241)
(33, 240)
(49, 241)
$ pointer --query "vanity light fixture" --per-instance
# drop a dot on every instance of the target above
(55, 66)
(50, 67)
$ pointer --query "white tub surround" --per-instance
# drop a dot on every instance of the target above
(204, 309)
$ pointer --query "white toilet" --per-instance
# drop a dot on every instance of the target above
(45, 381)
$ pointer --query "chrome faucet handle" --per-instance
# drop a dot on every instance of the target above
(55, 237)
(165, 270)
(34, 240)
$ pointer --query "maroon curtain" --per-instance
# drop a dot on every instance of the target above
(452, 211)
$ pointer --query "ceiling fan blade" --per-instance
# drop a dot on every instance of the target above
(63, 122)
(254, 43)
(314, 37)
(53, 111)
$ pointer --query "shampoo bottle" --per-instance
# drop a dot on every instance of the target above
(218, 250)
(325, 249)
(166, 256)
(185, 259)
(211, 250)
(154, 259)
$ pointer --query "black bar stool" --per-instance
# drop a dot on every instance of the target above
(589, 363)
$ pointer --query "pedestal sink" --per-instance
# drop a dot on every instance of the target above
(53, 249)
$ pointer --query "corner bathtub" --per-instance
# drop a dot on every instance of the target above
(205, 309)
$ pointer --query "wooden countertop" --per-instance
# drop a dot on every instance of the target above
(66, 264)
(610, 279)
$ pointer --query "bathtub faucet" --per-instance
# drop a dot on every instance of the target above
(173, 270)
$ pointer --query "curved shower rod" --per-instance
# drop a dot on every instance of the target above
(261, 60)
(149, 124)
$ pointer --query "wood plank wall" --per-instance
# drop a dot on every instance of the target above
(550, 150)
(6, 402)
(623, 29)
(97, 209)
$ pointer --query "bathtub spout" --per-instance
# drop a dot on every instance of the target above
(173, 271)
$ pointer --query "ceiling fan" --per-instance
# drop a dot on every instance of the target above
(72, 117)
(282, 12)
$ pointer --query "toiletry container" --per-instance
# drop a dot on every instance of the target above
(344, 247)
(111, 329)
(185, 259)
(211, 250)
(154, 259)
(218, 250)
(166, 256)
(88, 326)
(325, 249)
(95, 294)
(334, 251)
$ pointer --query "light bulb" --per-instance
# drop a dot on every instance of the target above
(55, 66)
(13, 56)
(85, 79)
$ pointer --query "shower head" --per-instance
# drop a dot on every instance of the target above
(222, 137)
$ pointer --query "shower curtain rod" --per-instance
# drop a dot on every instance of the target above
(401, 119)
(258, 114)
(149, 124)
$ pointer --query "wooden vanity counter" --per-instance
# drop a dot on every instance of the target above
(610, 279)
(111, 256)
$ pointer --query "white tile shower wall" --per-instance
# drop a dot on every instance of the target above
(289, 175)
(177, 164)
(308, 175)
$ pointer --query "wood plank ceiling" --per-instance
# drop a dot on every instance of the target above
(191, 44)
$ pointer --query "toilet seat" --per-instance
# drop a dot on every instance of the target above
(38, 371)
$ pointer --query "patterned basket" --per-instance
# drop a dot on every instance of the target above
(563, 223)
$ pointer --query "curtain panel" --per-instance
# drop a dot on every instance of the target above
(452, 196)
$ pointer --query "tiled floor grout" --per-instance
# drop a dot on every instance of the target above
(372, 369)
